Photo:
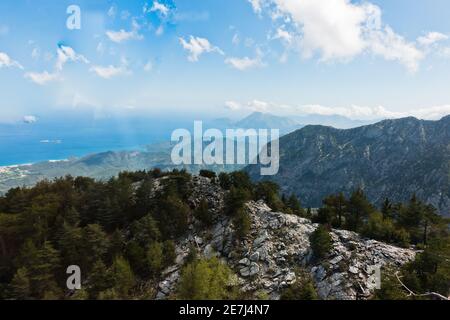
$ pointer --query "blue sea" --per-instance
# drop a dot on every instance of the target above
(58, 139)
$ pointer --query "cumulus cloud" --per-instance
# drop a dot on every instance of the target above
(431, 38)
(159, 7)
(233, 105)
(256, 5)
(122, 35)
(196, 46)
(29, 119)
(283, 35)
(6, 61)
(42, 78)
(354, 112)
(342, 30)
(246, 63)
(108, 72)
(392, 46)
(254, 105)
(65, 54)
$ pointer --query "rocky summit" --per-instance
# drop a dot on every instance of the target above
(278, 244)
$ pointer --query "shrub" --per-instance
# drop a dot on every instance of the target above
(320, 242)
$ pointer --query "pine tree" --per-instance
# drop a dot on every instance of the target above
(155, 258)
(20, 285)
(42, 272)
(123, 277)
(203, 214)
(204, 280)
(320, 241)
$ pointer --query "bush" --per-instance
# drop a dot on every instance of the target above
(268, 191)
(242, 223)
(320, 242)
(205, 280)
(203, 214)
(302, 289)
(208, 174)
(235, 200)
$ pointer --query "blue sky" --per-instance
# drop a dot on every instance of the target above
(216, 58)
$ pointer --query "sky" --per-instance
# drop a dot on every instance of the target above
(360, 59)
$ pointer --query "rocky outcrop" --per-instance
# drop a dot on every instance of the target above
(278, 244)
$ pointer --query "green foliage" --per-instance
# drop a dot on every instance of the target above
(203, 214)
(302, 289)
(155, 258)
(208, 174)
(358, 210)
(205, 280)
(20, 285)
(320, 241)
(169, 253)
(390, 288)
(295, 206)
(242, 223)
(225, 181)
(268, 191)
(236, 199)
(172, 216)
(123, 231)
(123, 277)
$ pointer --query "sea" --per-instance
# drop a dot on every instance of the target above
(25, 143)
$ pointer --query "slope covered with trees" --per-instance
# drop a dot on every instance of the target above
(123, 234)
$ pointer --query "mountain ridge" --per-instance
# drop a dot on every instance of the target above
(391, 158)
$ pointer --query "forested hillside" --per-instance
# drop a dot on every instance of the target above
(127, 232)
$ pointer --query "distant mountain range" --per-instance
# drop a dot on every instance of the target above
(259, 120)
(392, 158)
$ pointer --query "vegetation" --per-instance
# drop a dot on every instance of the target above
(302, 289)
(320, 241)
(122, 233)
(205, 280)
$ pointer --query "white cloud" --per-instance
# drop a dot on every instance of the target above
(246, 63)
(283, 35)
(445, 52)
(254, 105)
(391, 46)
(6, 61)
(29, 119)
(342, 30)
(197, 46)
(108, 72)
(122, 35)
(65, 54)
(256, 5)
(352, 112)
(159, 7)
(233, 105)
(42, 78)
(431, 38)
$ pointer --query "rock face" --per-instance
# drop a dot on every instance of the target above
(278, 244)
(392, 158)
